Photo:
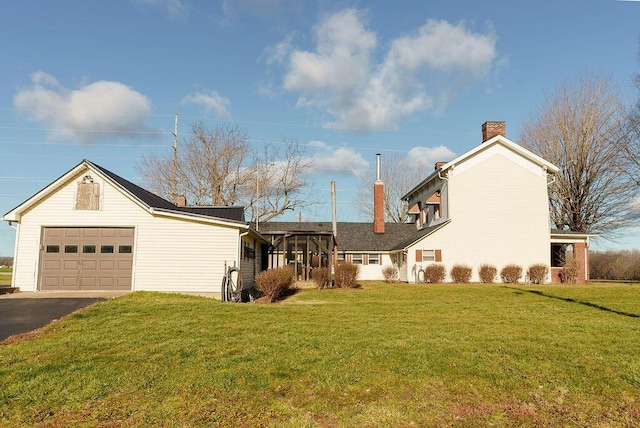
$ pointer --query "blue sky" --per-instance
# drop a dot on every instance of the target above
(347, 79)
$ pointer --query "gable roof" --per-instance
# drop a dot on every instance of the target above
(497, 140)
(148, 200)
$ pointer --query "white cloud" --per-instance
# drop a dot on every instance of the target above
(341, 160)
(420, 71)
(95, 111)
(175, 8)
(210, 101)
(428, 156)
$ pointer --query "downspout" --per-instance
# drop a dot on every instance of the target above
(15, 252)
(446, 178)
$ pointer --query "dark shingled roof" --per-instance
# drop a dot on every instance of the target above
(287, 227)
(351, 236)
(231, 213)
(418, 234)
(150, 199)
(154, 201)
(360, 236)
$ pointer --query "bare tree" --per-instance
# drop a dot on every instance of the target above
(280, 176)
(217, 166)
(399, 175)
(632, 150)
(580, 129)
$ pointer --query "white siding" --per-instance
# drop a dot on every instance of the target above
(499, 215)
(169, 254)
(374, 271)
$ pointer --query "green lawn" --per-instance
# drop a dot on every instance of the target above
(383, 355)
(5, 276)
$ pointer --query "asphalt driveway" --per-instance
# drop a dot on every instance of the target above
(25, 314)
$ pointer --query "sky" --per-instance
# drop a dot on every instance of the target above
(104, 80)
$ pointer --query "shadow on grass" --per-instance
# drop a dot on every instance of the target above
(580, 302)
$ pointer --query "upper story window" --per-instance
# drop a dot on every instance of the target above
(88, 194)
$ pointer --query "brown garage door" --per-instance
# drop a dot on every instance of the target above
(86, 258)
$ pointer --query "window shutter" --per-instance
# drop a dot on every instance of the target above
(418, 255)
(379, 259)
(348, 258)
(365, 259)
(438, 255)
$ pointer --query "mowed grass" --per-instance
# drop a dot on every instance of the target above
(5, 276)
(384, 355)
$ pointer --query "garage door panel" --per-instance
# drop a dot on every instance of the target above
(69, 281)
(103, 268)
(125, 265)
(52, 264)
(51, 281)
(89, 265)
(71, 232)
(88, 281)
(107, 265)
(126, 233)
(108, 282)
(90, 232)
(54, 232)
(70, 265)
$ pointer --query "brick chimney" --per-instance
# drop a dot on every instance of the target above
(491, 129)
(182, 201)
(378, 200)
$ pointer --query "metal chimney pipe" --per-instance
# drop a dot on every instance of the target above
(378, 167)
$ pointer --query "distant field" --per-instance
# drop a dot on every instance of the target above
(383, 355)
(5, 276)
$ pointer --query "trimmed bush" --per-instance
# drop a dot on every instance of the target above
(460, 274)
(390, 273)
(537, 274)
(434, 273)
(346, 275)
(569, 272)
(275, 283)
(487, 273)
(321, 277)
(510, 274)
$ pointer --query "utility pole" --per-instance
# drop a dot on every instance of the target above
(175, 161)
(257, 192)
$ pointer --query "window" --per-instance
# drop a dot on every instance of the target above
(374, 259)
(89, 249)
(53, 248)
(88, 194)
(106, 249)
(70, 248)
(340, 257)
(428, 255)
(124, 249)
(356, 259)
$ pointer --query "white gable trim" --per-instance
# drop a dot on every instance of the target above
(442, 173)
(14, 214)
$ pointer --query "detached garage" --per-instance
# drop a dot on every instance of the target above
(87, 258)
(93, 230)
